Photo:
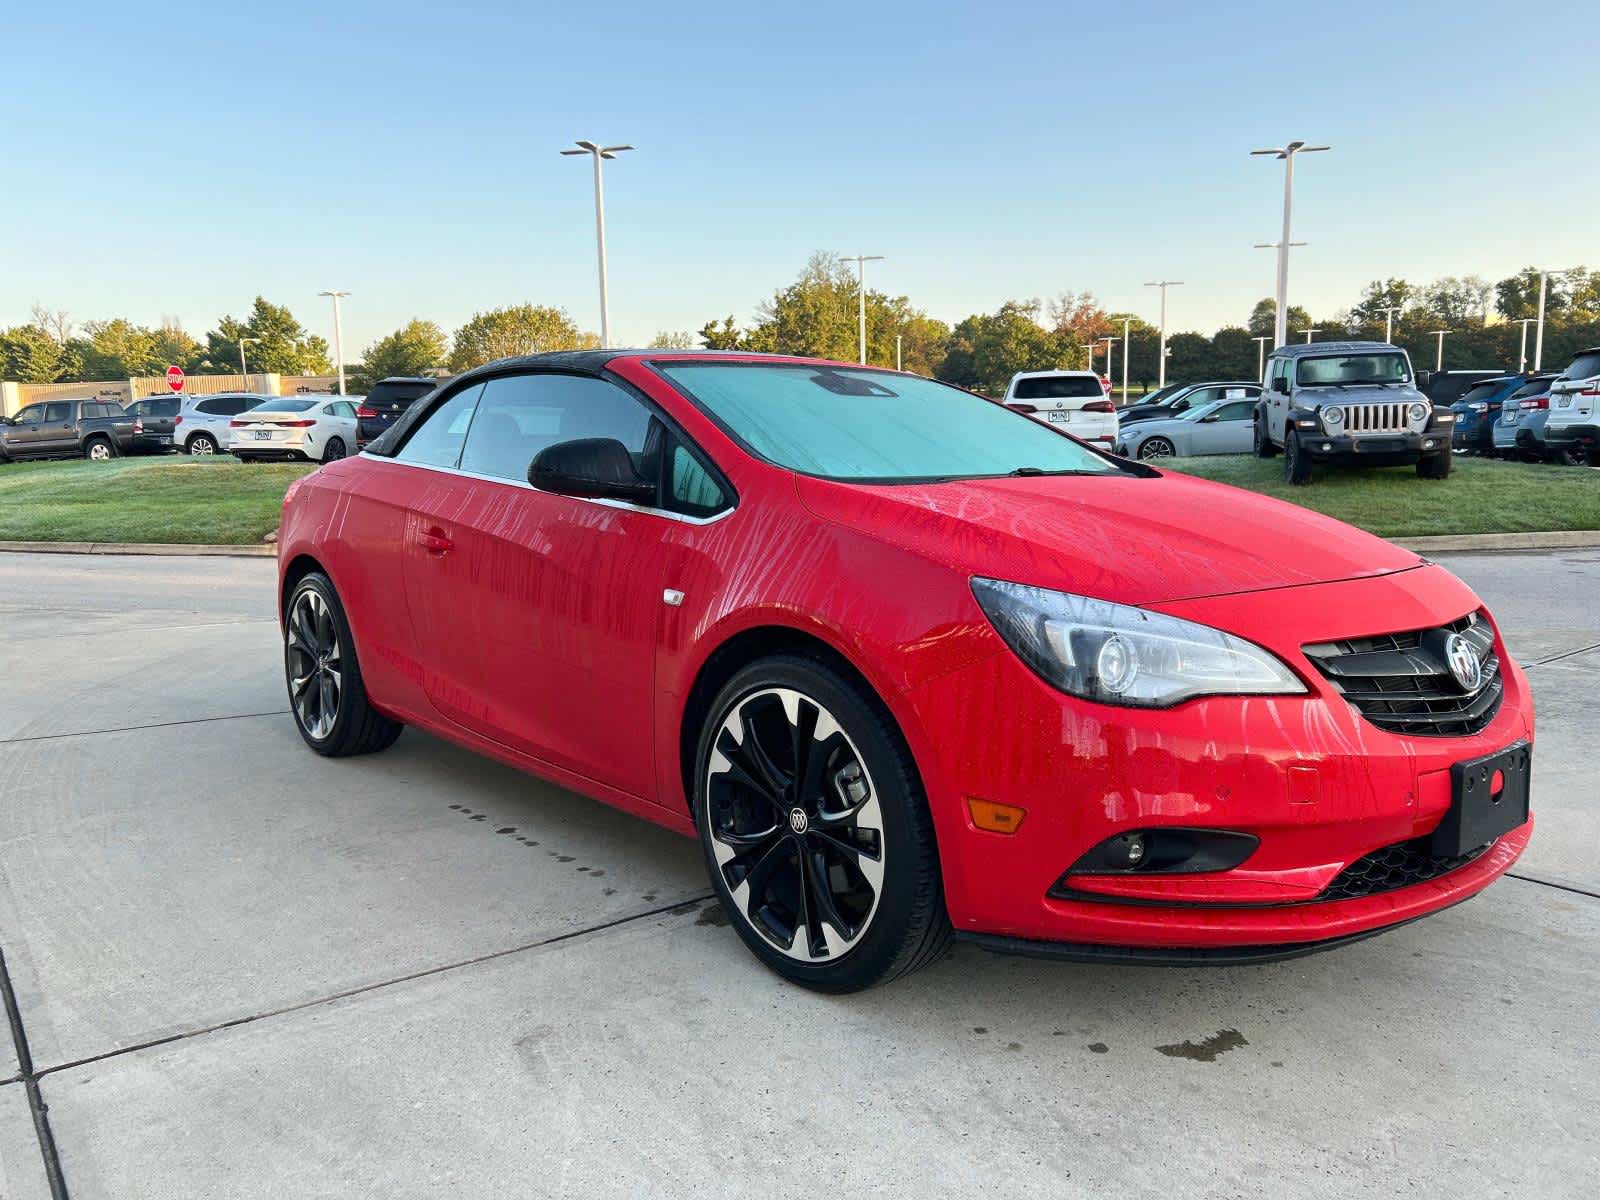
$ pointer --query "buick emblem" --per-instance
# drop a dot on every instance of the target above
(798, 821)
(1462, 660)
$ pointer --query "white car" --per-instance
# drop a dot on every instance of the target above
(1573, 430)
(1074, 401)
(319, 428)
(1220, 427)
(201, 426)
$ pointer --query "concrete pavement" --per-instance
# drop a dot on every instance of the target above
(245, 971)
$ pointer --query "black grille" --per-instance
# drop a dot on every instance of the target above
(1402, 682)
(1393, 867)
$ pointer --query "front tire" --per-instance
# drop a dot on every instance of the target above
(326, 694)
(815, 828)
(1296, 464)
(1156, 448)
(1435, 466)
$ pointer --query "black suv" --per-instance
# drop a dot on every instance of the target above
(379, 408)
(155, 414)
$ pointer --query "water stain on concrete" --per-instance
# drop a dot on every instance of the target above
(712, 914)
(1207, 1049)
(1098, 1047)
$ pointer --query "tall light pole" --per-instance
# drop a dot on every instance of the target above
(861, 261)
(1261, 356)
(1308, 333)
(597, 152)
(1522, 352)
(1280, 326)
(242, 369)
(1388, 322)
(1110, 342)
(1161, 368)
(338, 335)
(1438, 358)
(897, 365)
(1538, 339)
(1127, 353)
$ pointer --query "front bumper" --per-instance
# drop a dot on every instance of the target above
(1310, 777)
(1372, 449)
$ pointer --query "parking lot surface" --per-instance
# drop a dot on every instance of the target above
(242, 971)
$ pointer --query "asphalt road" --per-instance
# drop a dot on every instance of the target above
(243, 971)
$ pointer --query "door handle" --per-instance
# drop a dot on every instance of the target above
(434, 541)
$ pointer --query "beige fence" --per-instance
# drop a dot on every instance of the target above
(124, 391)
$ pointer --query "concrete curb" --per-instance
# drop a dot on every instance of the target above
(1482, 543)
(147, 548)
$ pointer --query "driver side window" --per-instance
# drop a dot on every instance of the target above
(33, 412)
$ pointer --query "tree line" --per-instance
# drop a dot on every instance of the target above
(816, 314)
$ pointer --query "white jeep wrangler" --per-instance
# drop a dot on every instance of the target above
(1352, 404)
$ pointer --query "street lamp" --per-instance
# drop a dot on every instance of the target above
(1388, 321)
(1438, 358)
(1261, 356)
(861, 261)
(338, 335)
(1127, 353)
(1308, 333)
(1522, 352)
(897, 338)
(1538, 339)
(1110, 342)
(242, 369)
(597, 152)
(1286, 153)
(1163, 284)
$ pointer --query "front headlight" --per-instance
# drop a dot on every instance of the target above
(1116, 654)
(1333, 417)
(1419, 411)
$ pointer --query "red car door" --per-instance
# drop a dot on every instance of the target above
(540, 614)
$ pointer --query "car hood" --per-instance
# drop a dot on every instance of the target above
(1159, 425)
(1125, 538)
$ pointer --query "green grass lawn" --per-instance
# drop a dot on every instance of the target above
(170, 498)
(1480, 496)
(225, 502)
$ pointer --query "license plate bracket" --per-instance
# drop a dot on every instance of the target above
(1477, 814)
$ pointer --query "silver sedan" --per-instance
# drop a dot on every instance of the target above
(1221, 427)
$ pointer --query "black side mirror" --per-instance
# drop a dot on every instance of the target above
(1281, 385)
(1209, 418)
(593, 468)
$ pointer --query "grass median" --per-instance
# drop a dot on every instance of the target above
(221, 501)
(1481, 495)
(170, 499)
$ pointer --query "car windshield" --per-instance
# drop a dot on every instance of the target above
(285, 405)
(875, 426)
(1584, 366)
(1353, 369)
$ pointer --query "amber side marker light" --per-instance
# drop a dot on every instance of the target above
(995, 818)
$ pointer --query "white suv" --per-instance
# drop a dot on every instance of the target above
(1573, 430)
(1074, 401)
(201, 426)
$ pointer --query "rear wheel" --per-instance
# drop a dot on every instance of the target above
(1435, 466)
(334, 450)
(99, 449)
(1156, 447)
(202, 444)
(326, 694)
(1296, 464)
(815, 828)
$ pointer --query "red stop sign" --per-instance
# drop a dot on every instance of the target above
(175, 378)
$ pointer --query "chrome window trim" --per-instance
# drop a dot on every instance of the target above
(683, 518)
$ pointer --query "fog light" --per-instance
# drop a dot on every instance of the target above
(1135, 849)
(1429, 444)
(1327, 445)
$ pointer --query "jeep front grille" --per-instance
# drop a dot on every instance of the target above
(1376, 418)
(1402, 682)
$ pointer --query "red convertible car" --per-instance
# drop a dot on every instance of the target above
(909, 664)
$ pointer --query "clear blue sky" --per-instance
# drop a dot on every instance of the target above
(178, 159)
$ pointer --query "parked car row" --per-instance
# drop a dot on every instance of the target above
(249, 426)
